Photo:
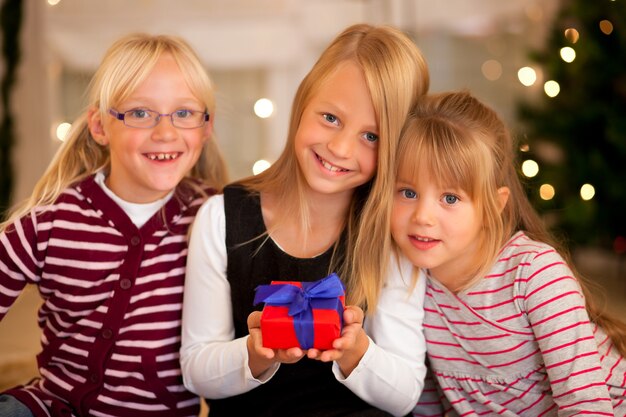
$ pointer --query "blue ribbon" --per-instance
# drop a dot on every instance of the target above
(321, 294)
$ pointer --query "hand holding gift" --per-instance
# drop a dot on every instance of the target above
(301, 314)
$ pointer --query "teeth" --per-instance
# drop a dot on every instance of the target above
(162, 156)
(423, 239)
(330, 167)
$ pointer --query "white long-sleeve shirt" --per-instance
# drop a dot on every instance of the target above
(389, 376)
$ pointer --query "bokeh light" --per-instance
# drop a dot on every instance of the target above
(606, 27)
(572, 35)
(546, 192)
(527, 76)
(587, 191)
(552, 88)
(263, 108)
(492, 69)
(62, 129)
(260, 166)
(568, 54)
(530, 168)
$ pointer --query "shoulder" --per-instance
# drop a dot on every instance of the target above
(523, 252)
(241, 202)
(404, 278)
(208, 227)
(72, 202)
(212, 206)
(535, 265)
(236, 191)
(211, 210)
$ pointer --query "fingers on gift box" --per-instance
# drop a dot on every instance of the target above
(301, 314)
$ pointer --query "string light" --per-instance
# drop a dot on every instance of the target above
(568, 54)
(546, 192)
(527, 76)
(61, 130)
(552, 88)
(492, 69)
(530, 168)
(587, 191)
(263, 108)
(260, 166)
(606, 27)
(572, 35)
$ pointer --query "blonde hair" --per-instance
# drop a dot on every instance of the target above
(396, 74)
(125, 65)
(461, 142)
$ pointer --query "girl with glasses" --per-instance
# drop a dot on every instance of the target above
(323, 206)
(104, 238)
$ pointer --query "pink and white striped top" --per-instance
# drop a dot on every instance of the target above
(112, 299)
(519, 343)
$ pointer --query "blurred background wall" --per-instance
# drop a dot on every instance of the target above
(261, 49)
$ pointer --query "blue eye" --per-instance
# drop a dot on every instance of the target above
(139, 114)
(408, 193)
(450, 199)
(183, 113)
(371, 137)
(330, 118)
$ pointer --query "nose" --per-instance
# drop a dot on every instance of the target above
(342, 144)
(423, 213)
(164, 129)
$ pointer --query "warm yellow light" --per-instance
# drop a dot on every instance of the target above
(492, 69)
(568, 54)
(527, 76)
(53, 2)
(62, 129)
(530, 168)
(263, 108)
(606, 27)
(587, 192)
(260, 166)
(571, 35)
(546, 192)
(552, 88)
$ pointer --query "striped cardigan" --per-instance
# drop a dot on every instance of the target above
(519, 343)
(112, 298)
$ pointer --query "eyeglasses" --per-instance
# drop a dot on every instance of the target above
(146, 119)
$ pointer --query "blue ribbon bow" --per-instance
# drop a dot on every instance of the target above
(301, 301)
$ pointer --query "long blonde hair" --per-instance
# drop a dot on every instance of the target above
(124, 66)
(396, 73)
(459, 140)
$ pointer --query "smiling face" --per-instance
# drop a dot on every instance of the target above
(436, 227)
(146, 164)
(336, 143)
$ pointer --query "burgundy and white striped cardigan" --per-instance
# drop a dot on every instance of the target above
(112, 297)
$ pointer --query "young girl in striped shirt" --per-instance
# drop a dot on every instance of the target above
(104, 238)
(507, 320)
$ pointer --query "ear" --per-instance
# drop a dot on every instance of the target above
(503, 197)
(96, 127)
(208, 128)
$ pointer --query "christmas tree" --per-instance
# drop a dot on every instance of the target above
(578, 136)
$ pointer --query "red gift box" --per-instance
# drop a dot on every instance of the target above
(318, 318)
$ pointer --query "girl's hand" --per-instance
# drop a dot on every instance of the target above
(260, 358)
(350, 347)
